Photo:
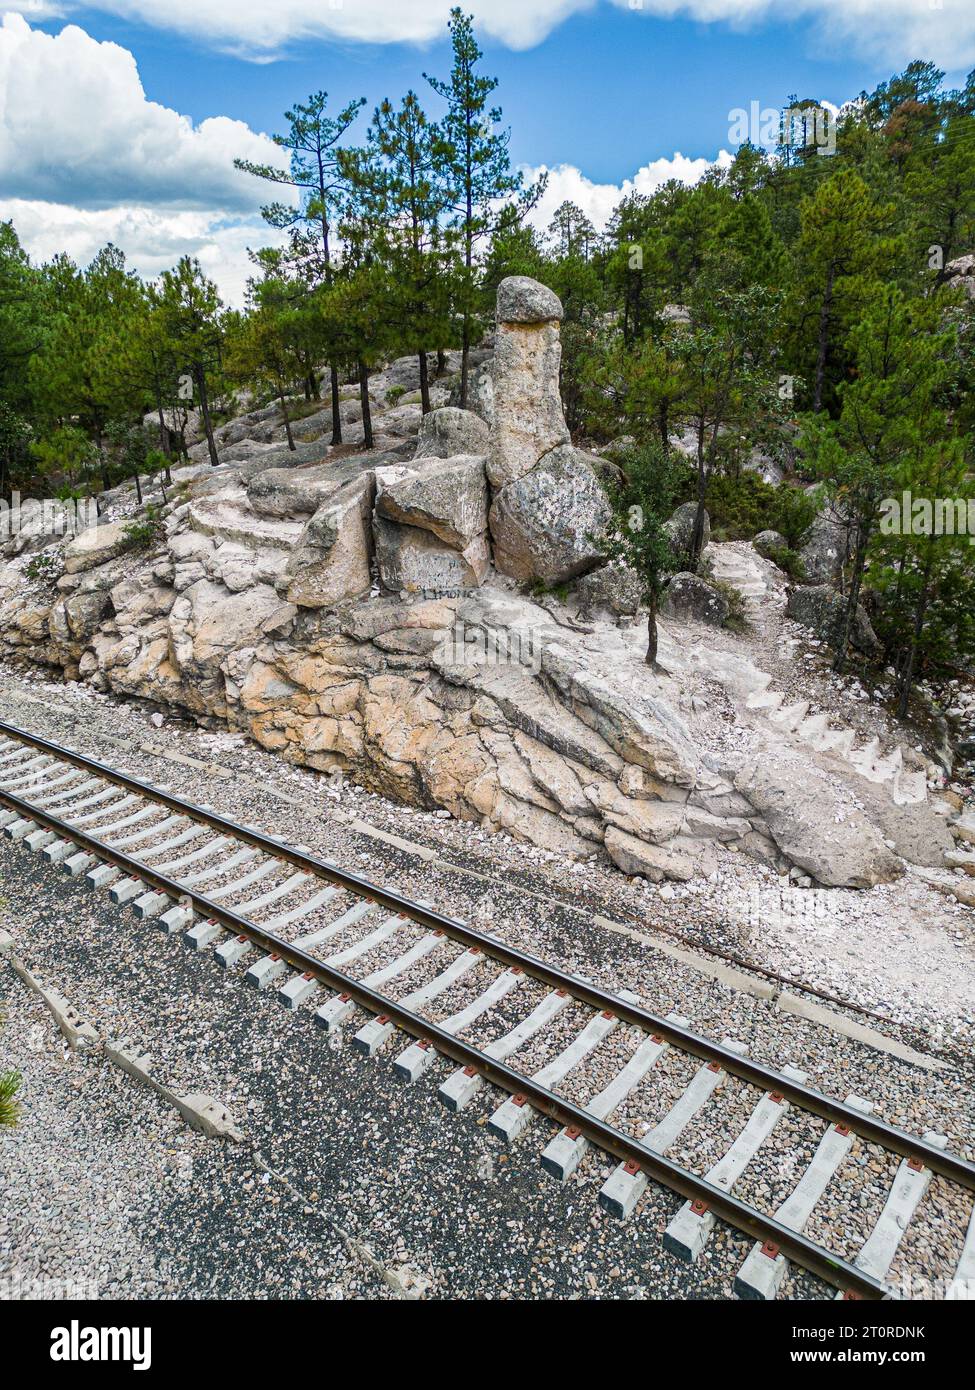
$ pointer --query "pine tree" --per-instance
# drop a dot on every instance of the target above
(316, 170)
(400, 192)
(642, 503)
(890, 418)
(478, 168)
(190, 317)
(837, 257)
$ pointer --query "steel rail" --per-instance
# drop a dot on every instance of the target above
(743, 1217)
(766, 1078)
(889, 1137)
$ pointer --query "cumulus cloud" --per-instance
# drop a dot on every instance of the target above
(152, 240)
(597, 200)
(94, 140)
(891, 30)
(96, 161)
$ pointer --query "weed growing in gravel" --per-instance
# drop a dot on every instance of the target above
(9, 1106)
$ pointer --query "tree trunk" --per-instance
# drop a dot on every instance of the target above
(163, 431)
(663, 424)
(201, 386)
(920, 613)
(697, 537)
(333, 372)
(424, 384)
(465, 361)
(138, 487)
(287, 421)
(890, 644)
(366, 407)
(823, 343)
(842, 639)
(652, 634)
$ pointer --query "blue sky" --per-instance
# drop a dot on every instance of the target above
(608, 90)
(147, 101)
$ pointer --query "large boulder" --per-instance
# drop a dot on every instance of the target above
(448, 432)
(296, 491)
(817, 824)
(613, 588)
(768, 543)
(689, 597)
(820, 607)
(823, 551)
(95, 546)
(528, 418)
(680, 529)
(547, 525)
(523, 300)
(960, 274)
(448, 497)
(480, 391)
(331, 561)
(418, 561)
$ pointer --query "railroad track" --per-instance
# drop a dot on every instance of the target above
(330, 943)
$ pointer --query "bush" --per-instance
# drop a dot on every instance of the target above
(788, 560)
(9, 1106)
(737, 619)
(147, 530)
(740, 505)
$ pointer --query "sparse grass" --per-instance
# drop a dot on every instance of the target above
(145, 531)
(45, 568)
(9, 1105)
(737, 619)
(536, 589)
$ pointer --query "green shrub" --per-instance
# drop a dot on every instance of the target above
(788, 560)
(737, 619)
(9, 1106)
(740, 505)
(146, 530)
(394, 393)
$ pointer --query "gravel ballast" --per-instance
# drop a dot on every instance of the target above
(426, 1192)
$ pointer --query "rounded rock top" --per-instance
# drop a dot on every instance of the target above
(524, 300)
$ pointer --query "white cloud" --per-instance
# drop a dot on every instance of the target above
(76, 126)
(93, 160)
(152, 240)
(894, 31)
(597, 200)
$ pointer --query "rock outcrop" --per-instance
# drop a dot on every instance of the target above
(820, 607)
(528, 419)
(690, 597)
(342, 611)
(680, 529)
(547, 525)
(549, 509)
(823, 551)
